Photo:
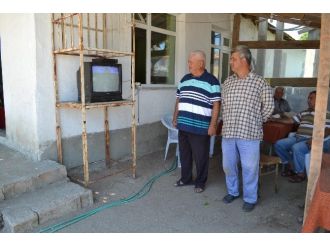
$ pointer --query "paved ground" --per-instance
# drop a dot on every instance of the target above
(167, 209)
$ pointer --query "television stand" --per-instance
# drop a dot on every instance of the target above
(73, 36)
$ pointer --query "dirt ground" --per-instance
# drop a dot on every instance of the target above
(168, 209)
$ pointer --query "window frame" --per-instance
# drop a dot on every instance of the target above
(223, 49)
(149, 28)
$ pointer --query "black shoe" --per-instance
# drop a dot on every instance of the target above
(248, 207)
(229, 198)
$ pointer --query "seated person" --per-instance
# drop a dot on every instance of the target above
(281, 105)
(292, 150)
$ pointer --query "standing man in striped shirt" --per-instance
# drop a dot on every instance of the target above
(247, 102)
(195, 115)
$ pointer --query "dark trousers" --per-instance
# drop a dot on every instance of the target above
(194, 147)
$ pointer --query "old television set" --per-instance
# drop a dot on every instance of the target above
(103, 81)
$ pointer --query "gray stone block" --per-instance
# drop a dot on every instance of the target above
(31, 209)
(19, 219)
(2, 197)
(86, 199)
(29, 176)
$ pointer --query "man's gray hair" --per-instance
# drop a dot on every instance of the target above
(280, 88)
(244, 52)
(199, 53)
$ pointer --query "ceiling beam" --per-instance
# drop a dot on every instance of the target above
(289, 44)
(293, 82)
(308, 20)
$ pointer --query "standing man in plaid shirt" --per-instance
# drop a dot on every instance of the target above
(247, 102)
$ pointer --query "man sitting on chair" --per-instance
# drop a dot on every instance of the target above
(292, 150)
(281, 105)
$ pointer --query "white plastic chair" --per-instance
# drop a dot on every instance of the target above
(212, 142)
(172, 136)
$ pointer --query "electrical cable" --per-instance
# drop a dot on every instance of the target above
(141, 193)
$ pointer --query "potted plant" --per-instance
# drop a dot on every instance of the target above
(2, 115)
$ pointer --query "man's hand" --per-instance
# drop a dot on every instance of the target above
(176, 112)
(174, 122)
(212, 131)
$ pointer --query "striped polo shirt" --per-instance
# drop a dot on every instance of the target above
(305, 119)
(196, 96)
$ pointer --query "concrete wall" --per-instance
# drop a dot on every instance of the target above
(198, 32)
(19, 66)
(45, 95)
(29, 98)
(29, 93)
(150, 138)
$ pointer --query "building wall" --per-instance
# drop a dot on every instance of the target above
(198, 32)
(45, 95)
(19, 65)
(29, 98)
(29, 94)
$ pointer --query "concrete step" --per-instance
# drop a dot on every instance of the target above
(19, 175)
(32, 209)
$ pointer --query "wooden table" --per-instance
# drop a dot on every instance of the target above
(319, 212)
(274, 131)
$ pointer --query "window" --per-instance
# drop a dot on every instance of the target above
(155, 36)
(220, 53)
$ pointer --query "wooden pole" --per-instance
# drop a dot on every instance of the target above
(83, 103)
(107, 137)
(63, 31)
(96, 31)
(88, 31)
(133, 99)
(104, 31)
(236, 29)
(261, 54)
(322, 91)
(278, 53)
(57, 110)
(71, 31)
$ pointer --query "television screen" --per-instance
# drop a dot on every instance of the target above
(106, 78)
(103, 81)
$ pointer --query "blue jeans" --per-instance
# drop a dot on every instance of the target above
(248, 152)
(293, 150)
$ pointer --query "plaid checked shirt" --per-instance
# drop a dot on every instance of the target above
(246, 104)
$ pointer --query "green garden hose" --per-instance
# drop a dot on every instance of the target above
(141, 193)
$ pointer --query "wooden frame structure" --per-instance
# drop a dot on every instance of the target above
(321, 82)
(66, 28)
(314, 20)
